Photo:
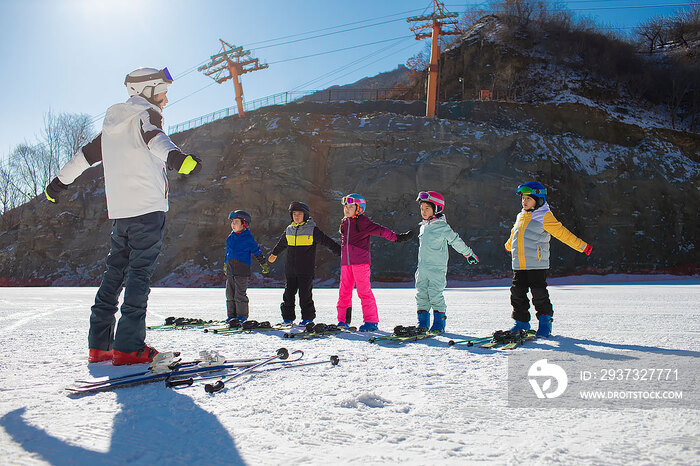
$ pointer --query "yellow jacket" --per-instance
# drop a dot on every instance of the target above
(529, 239)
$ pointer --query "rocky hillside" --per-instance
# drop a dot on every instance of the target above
(630, 190)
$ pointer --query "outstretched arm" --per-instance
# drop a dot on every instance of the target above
(375, 229)
(559, 231)
(87, 156)
(327, 241)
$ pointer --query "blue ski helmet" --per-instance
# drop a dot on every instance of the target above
(241, 214)
(355, 198)
(535, 190)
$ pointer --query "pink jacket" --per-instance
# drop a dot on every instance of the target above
(355, 244)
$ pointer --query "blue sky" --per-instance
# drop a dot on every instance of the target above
(72, 55)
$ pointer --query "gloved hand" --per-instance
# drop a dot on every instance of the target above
(272, 258)
(401, 237)
(183, 163)
(53, 189)
(225, 268)
(472, 258)
(191, 165)
(588, 250)
(265, 268)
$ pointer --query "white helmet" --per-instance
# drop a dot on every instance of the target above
(147, 82)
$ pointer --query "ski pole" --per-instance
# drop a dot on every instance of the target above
(334, 360)
(189, 381)
(282, 353)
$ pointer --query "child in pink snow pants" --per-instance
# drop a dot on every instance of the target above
(355, 260)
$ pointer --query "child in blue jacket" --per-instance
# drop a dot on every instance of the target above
(240, 244)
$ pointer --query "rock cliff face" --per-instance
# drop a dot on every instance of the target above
(632, 192)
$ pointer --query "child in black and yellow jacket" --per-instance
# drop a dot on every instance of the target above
(300, 239)
(529, 246)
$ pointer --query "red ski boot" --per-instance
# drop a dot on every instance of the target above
(143, 355)
(95, 355)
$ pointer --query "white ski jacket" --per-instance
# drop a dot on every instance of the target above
(134, 151)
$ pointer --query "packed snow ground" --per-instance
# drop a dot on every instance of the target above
(420, 403)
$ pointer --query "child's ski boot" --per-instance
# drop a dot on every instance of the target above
(369, 327)
(424, 319)
(520, 325)
(545, 328)
(439, 319)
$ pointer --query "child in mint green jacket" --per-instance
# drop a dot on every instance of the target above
(431, 275)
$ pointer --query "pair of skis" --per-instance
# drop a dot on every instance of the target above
(252, 326)
(319, 330)
(503, 339)
(404, 334)
(168, 367)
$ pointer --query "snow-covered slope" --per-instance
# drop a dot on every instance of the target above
(423, 403)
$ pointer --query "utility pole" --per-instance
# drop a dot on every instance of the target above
(237, 62)
(435, 22)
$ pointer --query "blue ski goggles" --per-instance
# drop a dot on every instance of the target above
(163, 74)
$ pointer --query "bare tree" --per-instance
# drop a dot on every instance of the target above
(28, 170)
(49, 146)
(651, 33)
(75, 130)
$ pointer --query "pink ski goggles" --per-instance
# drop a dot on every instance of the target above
(424, 196)
(352, 200)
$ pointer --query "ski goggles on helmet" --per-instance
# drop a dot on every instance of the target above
(163, 74)
(528, 190)
(424, 196)
(352, 200)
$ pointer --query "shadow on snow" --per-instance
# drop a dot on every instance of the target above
(148, 429)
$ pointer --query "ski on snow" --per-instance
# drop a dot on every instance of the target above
(403, 334)
(247, 326)
(167, 365)
(319, 330)
(507, 339)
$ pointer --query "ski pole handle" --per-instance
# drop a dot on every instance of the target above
(282, 353)
(179, 383)
(218, 386)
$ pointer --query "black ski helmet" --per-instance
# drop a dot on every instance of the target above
(300, 207)
(241, 214)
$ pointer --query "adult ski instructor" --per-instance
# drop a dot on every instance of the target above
(134, 151)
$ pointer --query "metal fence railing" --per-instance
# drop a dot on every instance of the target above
(284, 98)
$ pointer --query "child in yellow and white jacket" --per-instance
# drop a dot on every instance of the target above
(529, 246)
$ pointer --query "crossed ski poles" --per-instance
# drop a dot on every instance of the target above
(282, 354)
(334, 360)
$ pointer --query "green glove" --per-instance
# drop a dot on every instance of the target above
(225, 268)
(191, 165)
(265, 268)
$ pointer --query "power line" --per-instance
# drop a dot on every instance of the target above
(346, 66)
(368, 64)
(339, 50)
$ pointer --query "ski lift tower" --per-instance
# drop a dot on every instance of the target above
(440, 23)
(231, 63)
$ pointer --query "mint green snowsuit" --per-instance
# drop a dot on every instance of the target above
(431, 275)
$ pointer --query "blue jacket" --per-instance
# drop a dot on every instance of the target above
(239, 247)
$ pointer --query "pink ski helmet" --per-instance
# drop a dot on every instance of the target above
(434, 198)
